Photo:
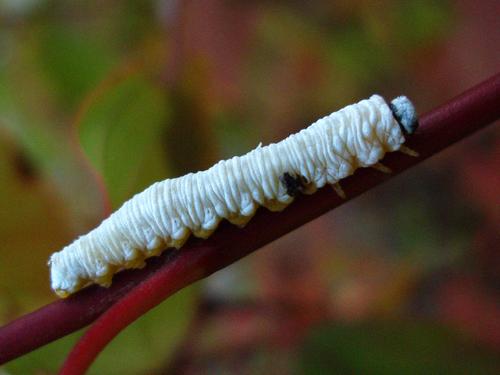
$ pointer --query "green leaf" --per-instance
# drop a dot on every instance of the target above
(32, 224)
(28, 118)
(122, 136)
(392, 348)
(74, 60)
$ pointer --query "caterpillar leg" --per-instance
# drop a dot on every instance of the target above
(382, 168)
(408, 151)
(338, 189)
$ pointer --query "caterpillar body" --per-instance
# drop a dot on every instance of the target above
(166, 213)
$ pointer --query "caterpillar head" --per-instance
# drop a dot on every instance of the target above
(405, 114)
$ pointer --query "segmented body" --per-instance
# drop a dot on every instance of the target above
(165, 214)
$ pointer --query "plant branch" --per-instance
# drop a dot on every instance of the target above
(137, 291)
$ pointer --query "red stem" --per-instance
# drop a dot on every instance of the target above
(137, 291)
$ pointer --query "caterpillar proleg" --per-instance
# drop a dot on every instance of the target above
(168, 212)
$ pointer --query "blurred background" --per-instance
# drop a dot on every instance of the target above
(98, 99)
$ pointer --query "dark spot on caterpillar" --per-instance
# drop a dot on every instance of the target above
(294, 185)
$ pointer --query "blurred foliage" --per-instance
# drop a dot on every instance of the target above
(73, 63)
(121, 135)
(391, 348)
(98, 99)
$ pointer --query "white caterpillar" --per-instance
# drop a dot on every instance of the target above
(165, 214)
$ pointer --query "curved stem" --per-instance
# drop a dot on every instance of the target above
(137, 291)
